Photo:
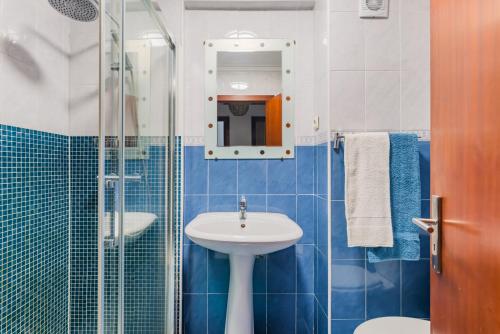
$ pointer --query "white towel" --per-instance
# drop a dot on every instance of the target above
(367, 190)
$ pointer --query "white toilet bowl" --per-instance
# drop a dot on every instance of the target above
(394, 325)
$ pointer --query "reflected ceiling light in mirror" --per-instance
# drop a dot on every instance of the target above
(241, 34)
(239, 85)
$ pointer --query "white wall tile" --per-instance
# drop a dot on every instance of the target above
(347, 100)
(84, 79)
(321, 65)
(84, 64)
(382, 100)
(415, 100)
(84, 110)
(395, 54)
(344, 5)
(415, 6)
(382, 41)
(347, 41)
(19, 92)
(34, 44)
(415, 41)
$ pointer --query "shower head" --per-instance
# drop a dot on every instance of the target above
(80, 10)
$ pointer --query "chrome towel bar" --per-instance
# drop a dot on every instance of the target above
(339, 137)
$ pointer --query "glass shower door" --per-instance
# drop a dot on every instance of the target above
(136, 150)
(147, 115)
(110, 184)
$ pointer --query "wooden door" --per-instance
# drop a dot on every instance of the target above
(465, 164)
(273, 121)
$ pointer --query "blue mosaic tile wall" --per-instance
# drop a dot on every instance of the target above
(321, 238)
(34, 232)
(145, 257)
(84, 224)
(144, 277)
(284, 295)
(363, 290)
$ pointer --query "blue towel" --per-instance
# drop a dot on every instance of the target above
(405, 201)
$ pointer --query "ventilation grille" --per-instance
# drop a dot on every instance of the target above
(374, 4)
(374, 8)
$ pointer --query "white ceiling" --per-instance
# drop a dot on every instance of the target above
(249, 4)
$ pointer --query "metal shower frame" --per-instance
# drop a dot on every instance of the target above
(170, 304)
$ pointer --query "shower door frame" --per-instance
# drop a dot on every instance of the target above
(170, 258)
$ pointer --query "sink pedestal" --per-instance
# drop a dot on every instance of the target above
(239, 317)
(264, 233)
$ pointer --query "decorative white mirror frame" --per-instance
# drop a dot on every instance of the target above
(286, 151)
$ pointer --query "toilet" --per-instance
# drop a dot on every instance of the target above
(394, 325)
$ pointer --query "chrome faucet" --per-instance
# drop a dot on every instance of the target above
(243, 208)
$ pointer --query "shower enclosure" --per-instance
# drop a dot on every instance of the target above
(136, 198)
(88, 237)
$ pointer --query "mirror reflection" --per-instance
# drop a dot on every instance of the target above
(249, 99)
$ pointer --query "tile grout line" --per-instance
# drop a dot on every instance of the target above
(297, 219)
(206, 251)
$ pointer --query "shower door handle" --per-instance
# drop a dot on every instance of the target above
(114, 177)
(433, 226)
(110, 179)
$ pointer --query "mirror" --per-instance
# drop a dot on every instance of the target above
(249, 98)
(249, 108)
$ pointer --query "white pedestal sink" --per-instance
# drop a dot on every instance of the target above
(135, 224)
(258, 234)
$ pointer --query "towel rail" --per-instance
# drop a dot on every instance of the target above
(338, 138)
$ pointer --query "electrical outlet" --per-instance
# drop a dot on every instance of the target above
(316, 123)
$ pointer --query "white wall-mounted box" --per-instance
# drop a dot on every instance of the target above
(373, 8)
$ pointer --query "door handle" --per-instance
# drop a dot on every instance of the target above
(425, 224)
(433, 226)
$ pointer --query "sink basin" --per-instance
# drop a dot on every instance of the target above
(260, 233)
(263, 232)
(134, 224)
